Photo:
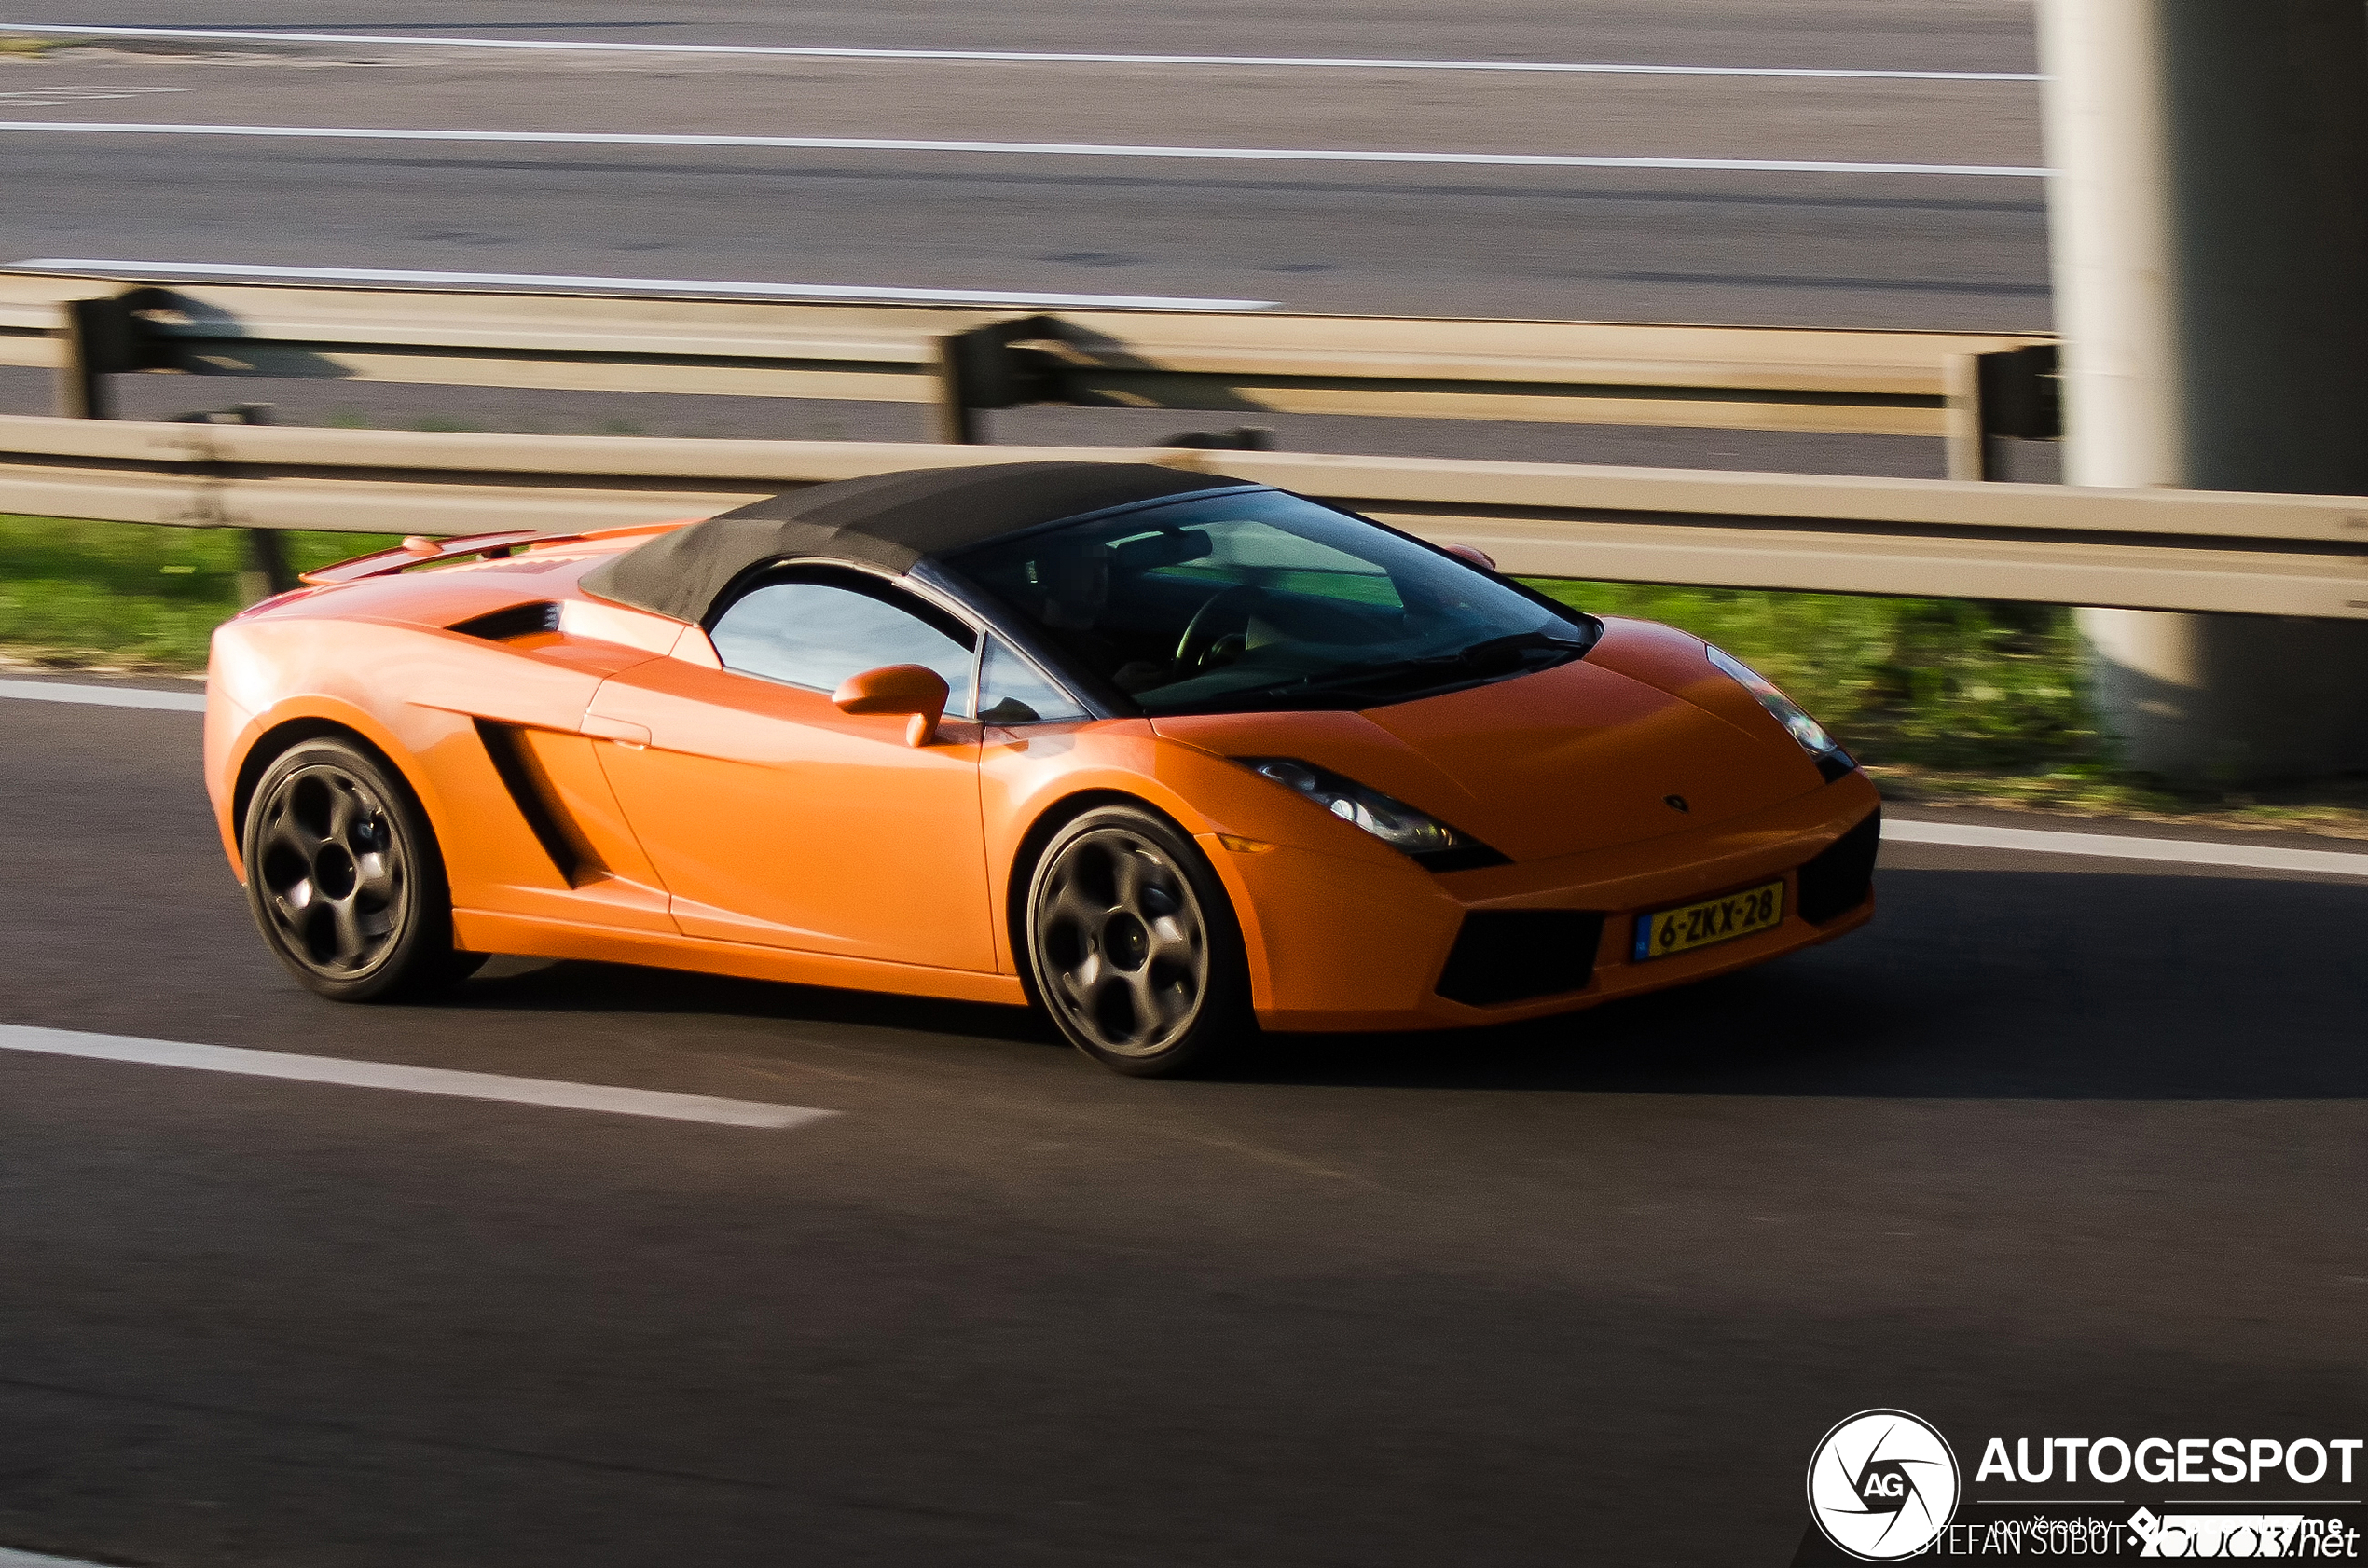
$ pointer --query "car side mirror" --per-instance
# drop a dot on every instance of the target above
(915, 690)
(1473, 554)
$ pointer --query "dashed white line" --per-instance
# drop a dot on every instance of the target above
(174, 270)
(416, 1080)
(11, 1557)
(62, 97)
(2112, 847)
(103, 696)
(1041, 57)
(1029, 149)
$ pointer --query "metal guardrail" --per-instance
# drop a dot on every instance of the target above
(2273, 554)
(1960, 388)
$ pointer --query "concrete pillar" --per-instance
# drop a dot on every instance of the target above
(2208, 223)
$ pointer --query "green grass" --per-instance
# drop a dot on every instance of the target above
(1928, 682)
(128, 594)
(1958, 701)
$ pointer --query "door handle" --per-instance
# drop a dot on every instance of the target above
(623, 731)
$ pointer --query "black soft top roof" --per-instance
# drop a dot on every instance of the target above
(890, 520)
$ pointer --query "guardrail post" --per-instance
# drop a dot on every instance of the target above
(105, 337)
(264, 570)
(983, 368)
(98, 335)
(1967, 446)
(1241, 438)
(2008, 394)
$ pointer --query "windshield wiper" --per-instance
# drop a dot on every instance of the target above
(1520, 642)
(1494, 657)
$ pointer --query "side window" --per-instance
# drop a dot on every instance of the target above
(817, 633)
(1012, 693)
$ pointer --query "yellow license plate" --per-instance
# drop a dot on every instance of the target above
(1713, 920)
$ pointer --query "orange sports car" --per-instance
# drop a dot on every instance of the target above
(1170, 756)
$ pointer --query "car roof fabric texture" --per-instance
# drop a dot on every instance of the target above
(889, 521)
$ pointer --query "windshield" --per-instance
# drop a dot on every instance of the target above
(1263, 601)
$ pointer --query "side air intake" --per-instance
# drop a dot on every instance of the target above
(530, 790)
(1514, 954)
(518, 620)
(1843, 875)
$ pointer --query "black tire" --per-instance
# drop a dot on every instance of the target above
(345, 880)
(1132, 947)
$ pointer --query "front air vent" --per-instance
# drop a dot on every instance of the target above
(1842, 875)
(1470, 854)
(518, 620)
(1513, 955)
(530, 791)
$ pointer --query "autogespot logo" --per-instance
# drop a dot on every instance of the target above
(1882, 1484)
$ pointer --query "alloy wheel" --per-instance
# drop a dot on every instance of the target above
(335, 878)
(1121, 946)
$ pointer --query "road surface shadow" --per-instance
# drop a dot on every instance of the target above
(1968, 984)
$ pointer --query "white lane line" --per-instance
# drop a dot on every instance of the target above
(1040, 57)
(103, 696)
(1031, 149)
(62, 97)
(2248, 857)
(167, 269)
(415, 1080)
(11, 1557)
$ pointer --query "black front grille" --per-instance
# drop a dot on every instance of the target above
(1843, 873)
(1512, 954)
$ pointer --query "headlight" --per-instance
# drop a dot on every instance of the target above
(1830, 757)
(1393, 821)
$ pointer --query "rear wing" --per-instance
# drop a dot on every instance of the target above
(419, 550)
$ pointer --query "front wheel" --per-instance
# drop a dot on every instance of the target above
(344, 878)
(1134, 947)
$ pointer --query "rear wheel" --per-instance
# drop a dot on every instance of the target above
(1134, 947)
(345, 880)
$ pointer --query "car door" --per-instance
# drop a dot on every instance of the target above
(776, 819)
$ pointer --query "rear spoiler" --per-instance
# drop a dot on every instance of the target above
(419, 550)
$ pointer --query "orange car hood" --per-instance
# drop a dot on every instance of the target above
(1575, 758)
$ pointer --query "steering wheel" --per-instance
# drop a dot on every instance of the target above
(1200, 634)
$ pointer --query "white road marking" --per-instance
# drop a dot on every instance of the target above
(56, 97)
(1038, 57)
(1029, 149)
(415, 1080)
(166, 269)
(103, 696)
(13, 1559)
(2247, 856)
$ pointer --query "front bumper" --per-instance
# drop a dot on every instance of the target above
(1339, 945)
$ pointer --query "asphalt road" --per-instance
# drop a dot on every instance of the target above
(1960, 34)
(2059, 1145)
(1595, 243)
(1607, 244)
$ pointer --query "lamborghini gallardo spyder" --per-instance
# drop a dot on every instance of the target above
(1172, 757)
